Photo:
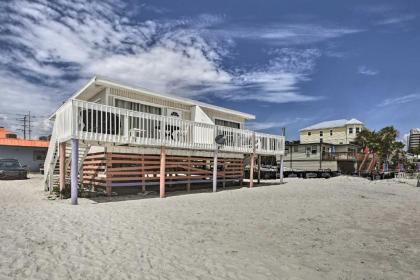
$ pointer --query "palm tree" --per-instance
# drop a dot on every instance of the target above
(367, 138)
(387, 137)
(383, 143)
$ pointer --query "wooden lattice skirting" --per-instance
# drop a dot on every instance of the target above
(108, 170)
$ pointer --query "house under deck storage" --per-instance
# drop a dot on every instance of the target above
(110, 135)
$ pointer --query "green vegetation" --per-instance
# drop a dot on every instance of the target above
(384, 144)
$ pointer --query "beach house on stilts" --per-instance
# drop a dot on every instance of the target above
(109, 135)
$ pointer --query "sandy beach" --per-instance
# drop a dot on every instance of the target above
(341, 228)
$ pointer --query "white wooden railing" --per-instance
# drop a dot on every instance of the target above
(101, 123)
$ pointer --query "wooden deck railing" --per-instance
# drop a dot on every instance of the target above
(101, 123)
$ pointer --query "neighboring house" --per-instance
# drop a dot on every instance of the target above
(123, 136)
(29, 152)
(414, 139)
(315, 156)
(333, 132)
(326, 145)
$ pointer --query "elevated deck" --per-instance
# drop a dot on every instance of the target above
(94, 124)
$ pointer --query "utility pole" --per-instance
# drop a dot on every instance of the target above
(29, 125)
(26, 125)
(23, 129)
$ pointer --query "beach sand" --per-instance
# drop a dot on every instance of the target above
(340, 228)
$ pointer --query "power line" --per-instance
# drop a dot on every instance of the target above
(26, 124)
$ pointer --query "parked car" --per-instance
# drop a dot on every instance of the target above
(12, 169)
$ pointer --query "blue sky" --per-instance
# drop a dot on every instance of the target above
(291, 63)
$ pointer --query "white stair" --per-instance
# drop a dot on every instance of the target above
(51, 175)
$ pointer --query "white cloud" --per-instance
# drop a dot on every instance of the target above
(364, 70)
(398, 19)
(19, 97)
(51, 46)
(400, 100)
(287, 34)
(266, 125)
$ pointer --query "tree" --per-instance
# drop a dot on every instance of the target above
(367, 138)
(388, 144)
(383, 143)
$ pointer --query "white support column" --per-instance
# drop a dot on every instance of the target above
(251, 163)
(281, 169)
(74, 170)
(215, 171)
(126, 131)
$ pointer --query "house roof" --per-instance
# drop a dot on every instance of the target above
(96, 82)
(331, 124)
(17, 142)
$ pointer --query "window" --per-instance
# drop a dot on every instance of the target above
(308, 151)
(227, 123)
(314, 150)
(357, 129)
(39, 155)
(331, 132)
(350, 130)
(321, 133)
(134, 106)
(309, 133)
(140, 125)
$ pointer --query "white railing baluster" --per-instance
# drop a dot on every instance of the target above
(98, 122)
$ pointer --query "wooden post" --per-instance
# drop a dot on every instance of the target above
(224, 174)
(62, 155)
(74, 170)
(251, 167)
(215, 171)
(143, 176)
(162, 172)
(189, 175)
(108, 160)
(259, 169)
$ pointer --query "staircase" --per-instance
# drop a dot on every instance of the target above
(368, 163)
(51, 167)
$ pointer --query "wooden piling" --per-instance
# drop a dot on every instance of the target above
(189, 174)
(108, 175)
(162, 172)
(62, 155)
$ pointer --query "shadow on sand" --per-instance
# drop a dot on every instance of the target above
(125, 194)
